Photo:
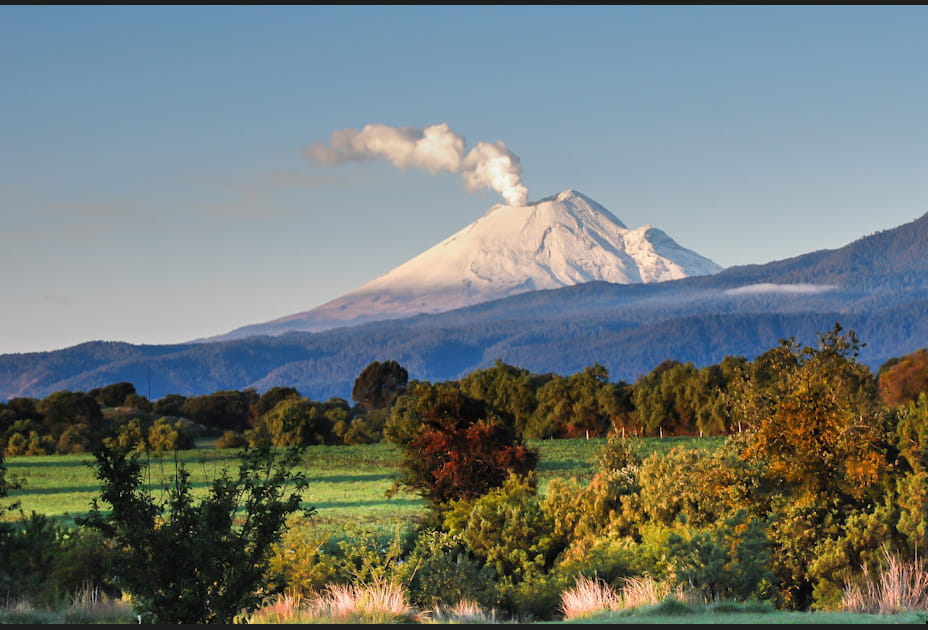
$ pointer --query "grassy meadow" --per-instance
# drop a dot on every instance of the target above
(347, 484)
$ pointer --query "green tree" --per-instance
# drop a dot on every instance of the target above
(80, 411)
(595, 402)
(192, 562)
(912, 433)
(378, 384)
(579, 405)
(137, 401)
(911, 489)
(113, 395)
(28, 443)
(129, 437)
(169, 405)
(507, 528)
(553, 411)
(273, 396)
(664, 399)
(228, 409)
(729, 561)
(292, 421)
(18, 409)
(165, 435)
(508, 388)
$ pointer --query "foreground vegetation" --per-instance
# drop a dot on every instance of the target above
(814, 498)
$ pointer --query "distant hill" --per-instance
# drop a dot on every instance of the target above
(876, 286)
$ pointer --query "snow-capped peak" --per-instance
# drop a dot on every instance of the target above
(558, 241)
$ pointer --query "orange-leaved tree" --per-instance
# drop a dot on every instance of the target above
(814, 418)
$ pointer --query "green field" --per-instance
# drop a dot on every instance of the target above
(347, 484)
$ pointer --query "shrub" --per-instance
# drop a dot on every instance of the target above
(507, 529)
(444, 574)
(28, 549)
(299, 563)
(186, 562)
(730, 561)
(165, 435)
(532, 597)
(129, 436)
(84, 564)
(607, 557)
(231, 439)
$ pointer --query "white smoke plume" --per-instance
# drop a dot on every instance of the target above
(435, 148)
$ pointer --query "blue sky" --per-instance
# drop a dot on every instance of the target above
(153, 187)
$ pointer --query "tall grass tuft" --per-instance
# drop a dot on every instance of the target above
(87, 606)
(377, 602)
(588, 596)
(286, 608)
(465, 611)
(901, 586)
(645, 591)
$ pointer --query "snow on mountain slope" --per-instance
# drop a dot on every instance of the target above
(562, 240)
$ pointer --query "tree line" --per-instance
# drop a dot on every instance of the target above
(674, 398)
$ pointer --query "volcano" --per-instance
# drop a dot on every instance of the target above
(562, 240)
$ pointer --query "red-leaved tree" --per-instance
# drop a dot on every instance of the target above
(455, 447)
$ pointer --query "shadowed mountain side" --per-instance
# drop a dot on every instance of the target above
(895, 257)
(28, 372)
(325, 365)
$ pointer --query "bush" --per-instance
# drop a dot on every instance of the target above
(231, 439)
(727, 562)
(445, 573)
(507, 529)
(84, 563)
(187, 562)
(28, 549)
(165, 435)
(301, 563)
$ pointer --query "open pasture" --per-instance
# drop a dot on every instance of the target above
(347, 484)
